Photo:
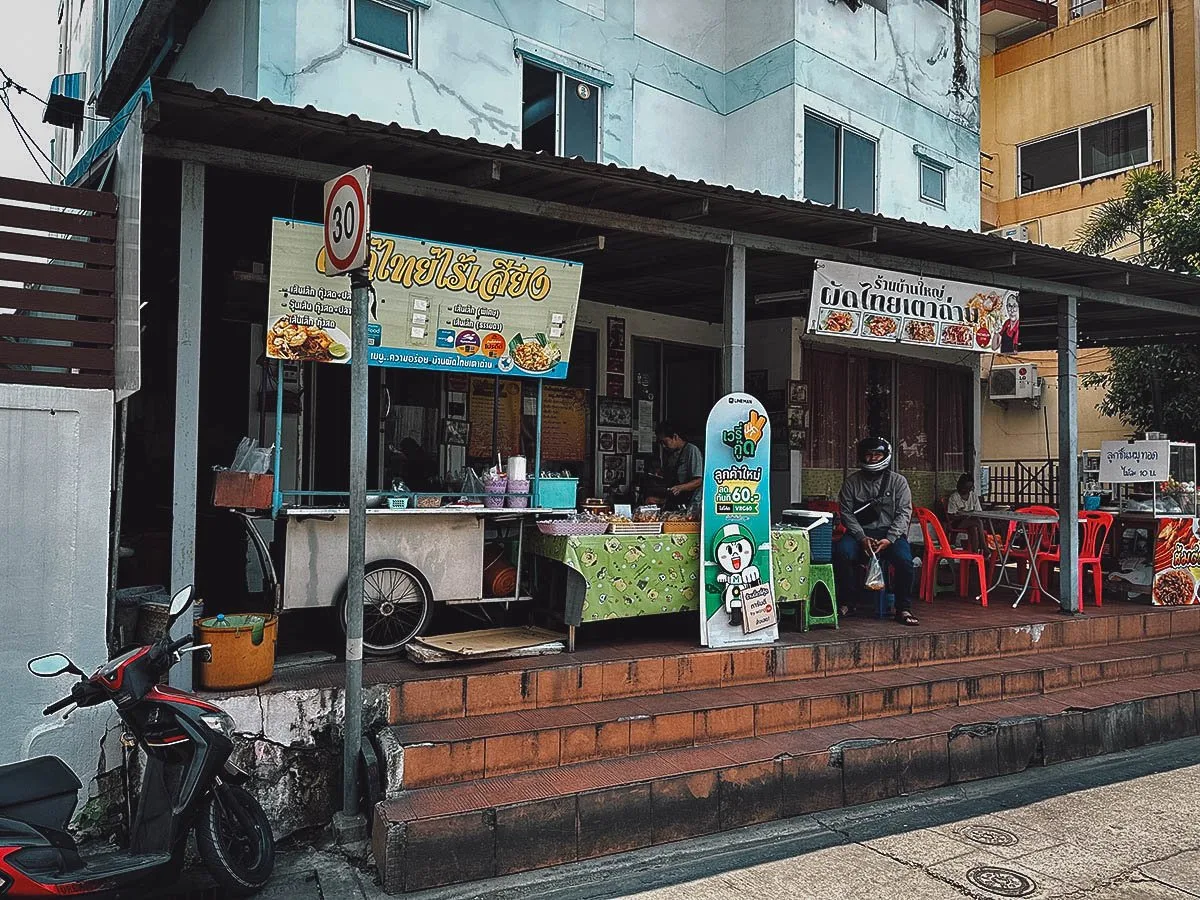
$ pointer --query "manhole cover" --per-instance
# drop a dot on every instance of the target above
(1004, 882)
(989, 836)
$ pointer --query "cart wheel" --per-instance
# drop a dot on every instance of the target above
(396, 606)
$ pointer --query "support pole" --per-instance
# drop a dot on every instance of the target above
(360, 287)
(733, 375)
(187, 400)
(1068, 455)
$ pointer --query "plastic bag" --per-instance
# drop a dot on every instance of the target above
(874, 579)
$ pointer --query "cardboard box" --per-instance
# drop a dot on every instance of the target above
(242, 490)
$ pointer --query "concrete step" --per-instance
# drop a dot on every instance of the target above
(459, 750)
(521, 685)
(509, 823)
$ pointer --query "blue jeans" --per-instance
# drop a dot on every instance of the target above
(848, 551)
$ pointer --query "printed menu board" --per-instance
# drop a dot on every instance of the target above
(1176, 563)
(564, 423)
(897, 307)
(436, 305)
(481, 400)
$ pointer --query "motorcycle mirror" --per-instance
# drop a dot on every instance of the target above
(181, 601)
(52, 664)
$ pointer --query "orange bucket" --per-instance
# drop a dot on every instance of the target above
(499, 575)
(243, 652)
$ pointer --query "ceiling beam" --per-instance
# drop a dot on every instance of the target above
(485, 173)
(855, 237)
(687, 210)
(611, 220)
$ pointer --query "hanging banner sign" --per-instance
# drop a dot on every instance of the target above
(881, 305)
(1125, 462)
(739, 602)
(437, 305)
(1176, 563)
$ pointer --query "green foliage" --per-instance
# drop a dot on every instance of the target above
(1157, 387)
(1153, 388)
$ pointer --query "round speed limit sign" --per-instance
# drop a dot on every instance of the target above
(347, 221)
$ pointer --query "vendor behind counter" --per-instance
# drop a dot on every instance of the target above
(683, 466)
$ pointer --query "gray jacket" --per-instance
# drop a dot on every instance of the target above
(894, 502)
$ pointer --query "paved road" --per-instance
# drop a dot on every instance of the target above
(1122, 826)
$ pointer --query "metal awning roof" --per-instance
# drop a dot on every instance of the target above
(659, 230)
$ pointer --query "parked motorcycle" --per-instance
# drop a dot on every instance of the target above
(189, 784)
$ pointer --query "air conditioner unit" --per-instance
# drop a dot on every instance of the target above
(1018, 382)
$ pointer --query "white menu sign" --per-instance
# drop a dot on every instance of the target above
(1125, 462)
(881, 305)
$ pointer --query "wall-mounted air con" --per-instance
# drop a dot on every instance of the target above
(1019, 382)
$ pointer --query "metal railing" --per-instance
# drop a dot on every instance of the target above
(1021, 482)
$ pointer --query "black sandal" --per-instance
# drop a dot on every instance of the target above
(907, 618)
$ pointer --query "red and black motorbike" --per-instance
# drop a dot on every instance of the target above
(189, 783)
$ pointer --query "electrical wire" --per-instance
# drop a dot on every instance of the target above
(28, 139)
(21, 89)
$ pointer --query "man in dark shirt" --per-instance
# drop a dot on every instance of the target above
(683, 465)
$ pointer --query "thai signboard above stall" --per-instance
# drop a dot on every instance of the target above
(1131, 462)
(897, 307)
(436, 306)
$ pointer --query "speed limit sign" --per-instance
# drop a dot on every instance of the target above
(347, 221)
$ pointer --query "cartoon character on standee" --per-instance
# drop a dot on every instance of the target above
(733, 551)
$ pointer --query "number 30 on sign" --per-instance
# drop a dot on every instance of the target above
(347, 221)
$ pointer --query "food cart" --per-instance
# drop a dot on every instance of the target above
(437, 307)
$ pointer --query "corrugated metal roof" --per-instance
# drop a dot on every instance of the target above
(680, 274)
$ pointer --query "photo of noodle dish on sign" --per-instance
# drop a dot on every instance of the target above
(838, 321)
(882, 327)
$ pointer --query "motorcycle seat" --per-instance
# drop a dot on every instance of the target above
(41, 791)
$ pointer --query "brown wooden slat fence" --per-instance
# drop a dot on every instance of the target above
(1018, 482)
(63, 330)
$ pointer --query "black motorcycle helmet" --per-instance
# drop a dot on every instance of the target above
(874, 445)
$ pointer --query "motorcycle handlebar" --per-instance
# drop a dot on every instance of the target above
(178, 645)
(55, 707)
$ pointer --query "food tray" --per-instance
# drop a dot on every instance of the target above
(635, 528)
(572, 529)
(680, 527)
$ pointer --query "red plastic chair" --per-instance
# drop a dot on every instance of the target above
(937, 548)
(1096, 526)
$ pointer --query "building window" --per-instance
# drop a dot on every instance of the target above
(1089, 151)
(933, 183)
(388, 26)
(839, 165)
(560, 114)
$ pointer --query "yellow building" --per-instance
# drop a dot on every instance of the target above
(1072, 97)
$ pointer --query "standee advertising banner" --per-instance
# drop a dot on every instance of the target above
(436, 305)
(897, 307)
(1176, 563)
(739, 601)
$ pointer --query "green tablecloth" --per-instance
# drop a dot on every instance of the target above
(646, 575)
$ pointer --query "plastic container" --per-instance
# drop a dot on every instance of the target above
(556, 493)
(499, 575)
(243, 651)
(819, 526)
(495, 489)
(518, 495)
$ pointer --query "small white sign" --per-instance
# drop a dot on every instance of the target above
(347, 221)
(758, 608)
(1122, 462)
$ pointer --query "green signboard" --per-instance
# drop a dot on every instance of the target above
(739, 601)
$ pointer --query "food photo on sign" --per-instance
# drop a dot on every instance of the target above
(1177, 563)
(881, 305)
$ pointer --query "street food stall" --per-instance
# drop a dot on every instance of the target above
(480, 320)
(1156, 502)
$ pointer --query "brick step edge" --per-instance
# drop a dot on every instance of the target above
(511, 743)
(513, 689)
(501, 840)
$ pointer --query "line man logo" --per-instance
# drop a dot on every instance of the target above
(743, 438)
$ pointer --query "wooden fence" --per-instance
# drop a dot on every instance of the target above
(1017, 482)
(62, 331)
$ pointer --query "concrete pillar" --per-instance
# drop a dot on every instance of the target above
(187, 399)
(1068, 454)
(733, 368)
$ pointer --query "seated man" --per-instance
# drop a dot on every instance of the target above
(964, 500)
(875, 505)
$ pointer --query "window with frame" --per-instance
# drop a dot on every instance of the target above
(560, 114)
(933, 182)
(839, 165)
(1089, 151)
(386, 26)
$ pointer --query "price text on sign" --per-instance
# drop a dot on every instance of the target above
(347, 221)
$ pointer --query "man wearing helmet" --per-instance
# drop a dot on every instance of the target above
(876, 508)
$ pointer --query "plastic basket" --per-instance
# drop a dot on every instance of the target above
(557, 493)
(572, 529)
